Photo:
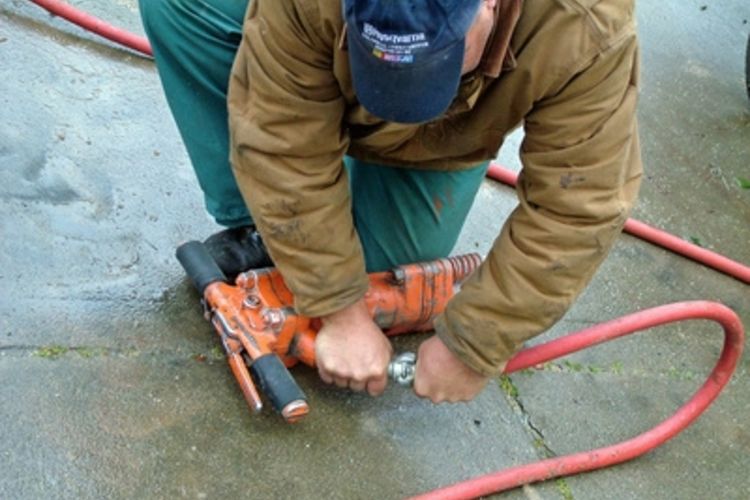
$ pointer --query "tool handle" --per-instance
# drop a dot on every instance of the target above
(199, 265)
(275, 381)
(239, 370)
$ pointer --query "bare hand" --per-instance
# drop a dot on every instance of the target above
(441, 376)
(351, 351)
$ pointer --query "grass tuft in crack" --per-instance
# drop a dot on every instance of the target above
(51, 351)
(564, 489)
(506, 384)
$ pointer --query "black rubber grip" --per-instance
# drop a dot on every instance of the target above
(275, 381)
(199, 265)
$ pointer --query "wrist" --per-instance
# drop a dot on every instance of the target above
(447, 355)
(461, 353)
(348, 315)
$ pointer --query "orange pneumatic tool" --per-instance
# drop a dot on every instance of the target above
(259, 328)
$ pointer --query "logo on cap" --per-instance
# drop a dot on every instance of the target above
(394, 48)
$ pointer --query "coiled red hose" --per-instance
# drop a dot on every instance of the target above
(626, 450)
(589, 460)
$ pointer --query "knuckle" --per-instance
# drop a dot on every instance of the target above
(375, 389)
(326, 365)
(420, 390)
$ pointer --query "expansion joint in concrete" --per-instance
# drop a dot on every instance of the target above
(542, 449)
(56, 351)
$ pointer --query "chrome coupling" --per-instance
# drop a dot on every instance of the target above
(401, 368)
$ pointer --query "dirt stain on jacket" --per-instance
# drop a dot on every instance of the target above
(569, 179)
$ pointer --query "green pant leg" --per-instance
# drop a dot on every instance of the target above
(407, 215)
(194, 43)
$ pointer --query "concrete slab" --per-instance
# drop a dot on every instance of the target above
(112, 384)
(163, 425)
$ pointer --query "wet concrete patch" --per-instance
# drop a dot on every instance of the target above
(162, 425)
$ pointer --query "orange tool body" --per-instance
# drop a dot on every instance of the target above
(258, 325)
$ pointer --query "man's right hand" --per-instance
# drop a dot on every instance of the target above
(351, 350)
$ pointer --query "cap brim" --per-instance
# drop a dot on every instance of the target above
(405, 93)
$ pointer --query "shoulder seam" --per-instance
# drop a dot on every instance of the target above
(602, 42)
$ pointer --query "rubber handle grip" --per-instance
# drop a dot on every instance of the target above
(199, 265)
(275, 381)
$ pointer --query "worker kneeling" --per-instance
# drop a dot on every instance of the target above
(358, 134)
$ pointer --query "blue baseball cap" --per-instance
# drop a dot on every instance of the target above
(406, 55)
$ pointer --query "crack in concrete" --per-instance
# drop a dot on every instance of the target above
(514, 399)
(542, 449)
(616, 368)
(56, 351)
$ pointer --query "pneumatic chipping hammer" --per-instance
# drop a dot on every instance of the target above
(260, 330)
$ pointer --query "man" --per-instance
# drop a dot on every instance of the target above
(360, 131)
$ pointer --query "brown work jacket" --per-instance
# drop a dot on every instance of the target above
(566, 70)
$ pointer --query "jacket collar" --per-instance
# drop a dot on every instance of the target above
(498, 55)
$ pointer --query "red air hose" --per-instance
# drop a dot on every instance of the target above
(95, 25)
(626, 450)
(602, 457)
(656, 236)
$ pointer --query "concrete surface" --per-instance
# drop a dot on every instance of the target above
(112, 385)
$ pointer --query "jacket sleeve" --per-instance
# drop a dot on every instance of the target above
(581, 173)
(287, 145)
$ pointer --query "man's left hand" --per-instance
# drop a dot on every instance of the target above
(441, 376)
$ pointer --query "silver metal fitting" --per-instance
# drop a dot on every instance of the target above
(402, 367)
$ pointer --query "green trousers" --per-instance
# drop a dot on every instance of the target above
(401, 215)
